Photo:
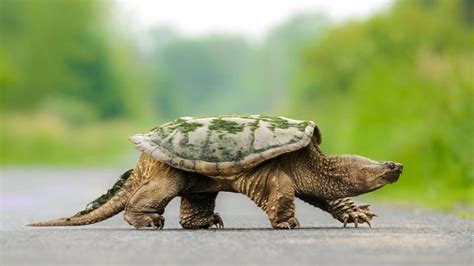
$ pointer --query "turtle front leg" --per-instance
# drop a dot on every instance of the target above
(197, 211)
(344, 210)
(272, 190)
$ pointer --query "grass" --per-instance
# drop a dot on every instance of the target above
(45, 139)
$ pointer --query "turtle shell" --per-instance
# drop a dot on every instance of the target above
(224, 145)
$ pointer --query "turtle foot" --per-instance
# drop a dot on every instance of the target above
(347, 212)
(360, 214)
(217, 222)
(290, 224)
(148, 220)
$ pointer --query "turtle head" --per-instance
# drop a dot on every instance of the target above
(363, 175)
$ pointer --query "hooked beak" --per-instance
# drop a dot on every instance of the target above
(394, 171)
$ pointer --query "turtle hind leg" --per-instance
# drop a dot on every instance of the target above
(147, 204)
(197, 211)
(272, 190)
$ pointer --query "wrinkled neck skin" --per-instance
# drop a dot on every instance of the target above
(319, 176)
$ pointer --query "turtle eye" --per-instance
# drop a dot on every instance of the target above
(390, 165)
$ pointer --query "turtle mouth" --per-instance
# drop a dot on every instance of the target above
(393, 174)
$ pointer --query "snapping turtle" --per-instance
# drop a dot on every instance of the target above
(272, 160)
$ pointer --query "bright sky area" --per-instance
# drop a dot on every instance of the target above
(248, 18)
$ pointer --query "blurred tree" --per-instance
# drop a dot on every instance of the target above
(52, 51)
(399, 86)
(225, 74)
(279, 55)
(196, 76)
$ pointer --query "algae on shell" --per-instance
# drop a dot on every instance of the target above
(224, 144)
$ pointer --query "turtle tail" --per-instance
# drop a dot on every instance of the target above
(101, 208)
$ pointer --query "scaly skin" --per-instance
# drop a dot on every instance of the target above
(272, 190)
(323, 181)
(163, 183)
(197, 211)
(346, 211)
(343, 210)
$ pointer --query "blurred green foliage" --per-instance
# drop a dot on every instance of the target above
(226, 74)
(58, 54)
(67, 83)
(398, 86)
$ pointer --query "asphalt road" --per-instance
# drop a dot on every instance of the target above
(400, 236)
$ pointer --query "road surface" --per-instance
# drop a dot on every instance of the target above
(400, 236)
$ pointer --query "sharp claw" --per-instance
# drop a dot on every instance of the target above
(162, 224)
(218, 222)
(355, 214)
(370, 214)
(365, 219)
(345, 208)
